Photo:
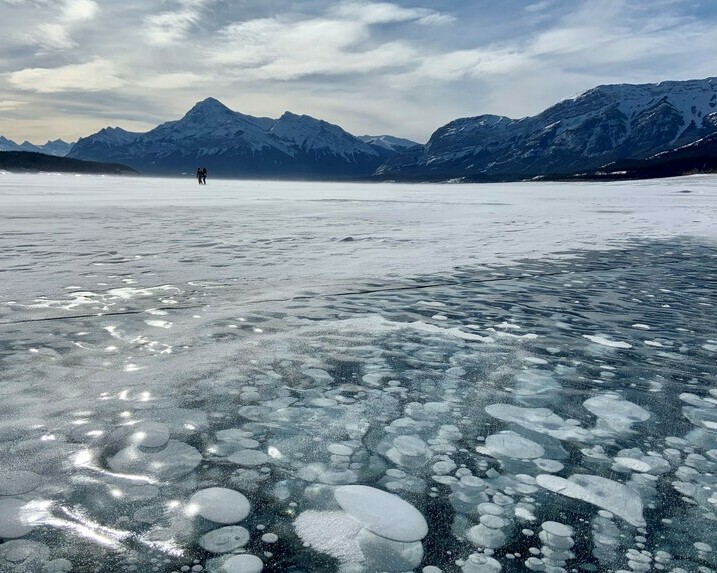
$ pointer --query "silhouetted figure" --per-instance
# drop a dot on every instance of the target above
(204, 175)
(199, 175)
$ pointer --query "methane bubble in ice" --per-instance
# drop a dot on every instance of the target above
(613, 496)
(23, 556)
(219, 505)
(382, 554)
(174, 461)
(382, 513)
(225, 539)
(616, 412)
(12, 521)
(150, 435)
(18, 482)
(243, 564)
(511, 445)
(249, 458)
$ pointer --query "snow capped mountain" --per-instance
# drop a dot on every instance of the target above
(605, 124)
(388, 142)
(230, 143)
(56, 147)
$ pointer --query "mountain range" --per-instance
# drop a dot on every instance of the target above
(230, 143)
(56, 147)
(603, 125)
(597, 131)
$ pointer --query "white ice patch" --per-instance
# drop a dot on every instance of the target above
(613, 496)
(330, 532)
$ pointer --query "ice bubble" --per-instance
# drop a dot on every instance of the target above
(490, 509)
(558, 529)
(232, 434)
(444, 467)
(493, 521)
(12, 520)
(248, 458)
(551, 466)
(270, 538)
(18, 482)
(57, 566)
(176, 460)
(633, 459)
(381, 554)
(615, 497)
(219, 505)
(512, 445)
(410, 445)
(540, 420)
(483, 536)
(23, 556)
(479, 563)
(618, 413)
(382, 513)
(340, 449)
(150, 435)
(243, 564)
(225, 539)
(601, 340)
(431, 569)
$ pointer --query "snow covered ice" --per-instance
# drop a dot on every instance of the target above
(484, 378)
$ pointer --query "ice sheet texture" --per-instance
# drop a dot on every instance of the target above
(502, 377)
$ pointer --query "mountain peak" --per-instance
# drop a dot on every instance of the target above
(209, 105)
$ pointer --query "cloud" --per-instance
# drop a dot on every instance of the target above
(7, 105)
(96, 75)
(539, 6)
(79, 10)
(170, 81)
(386, 13)
(339, 42)
(172, 27)
(56, 36)
(52, 37)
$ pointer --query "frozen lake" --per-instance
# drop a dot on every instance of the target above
(359, 378)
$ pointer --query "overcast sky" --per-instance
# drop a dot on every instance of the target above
(70, 67)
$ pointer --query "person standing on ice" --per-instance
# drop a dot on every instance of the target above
(199, 175)
(204, 175)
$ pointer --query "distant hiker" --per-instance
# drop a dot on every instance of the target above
(204, 175)
(199, 175)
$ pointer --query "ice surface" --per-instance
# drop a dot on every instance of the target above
(515, 377)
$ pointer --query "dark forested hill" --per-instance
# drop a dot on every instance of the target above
(29, 161)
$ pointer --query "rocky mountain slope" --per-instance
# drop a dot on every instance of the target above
(605, 124)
